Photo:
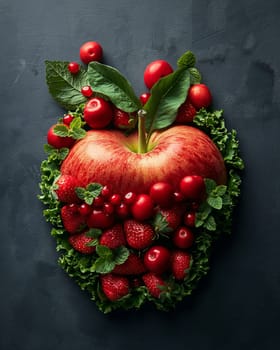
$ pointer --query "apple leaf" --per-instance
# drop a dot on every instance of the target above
(167, 95)
(109, 82)
(65, 87)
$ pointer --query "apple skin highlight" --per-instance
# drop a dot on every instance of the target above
(110, 158)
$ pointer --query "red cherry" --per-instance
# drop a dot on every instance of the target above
(156, 259)
(156, 70)
(87, 91)
(144, 98)
(100, 219)
(178, 197)
(143, 207)
(105, 192)
(162, 193)
(108, 208)
(74, 67)
(98, 113)
(85, 209)
(193, 187)
(116, 199)
(189, 219)
(67, 119)
(122, 211)
(200, 96)
(59, 141)
(90, 51)
(183, 237)
(130, 197)
(98, 202)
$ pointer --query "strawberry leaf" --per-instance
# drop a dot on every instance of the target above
(166, 97)
(65, 87)
(110, 82)
(120, 255)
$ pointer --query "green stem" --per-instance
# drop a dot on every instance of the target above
(142, 142)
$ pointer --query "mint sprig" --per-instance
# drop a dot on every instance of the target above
(109, 258)
(75, 129)
(89, 193)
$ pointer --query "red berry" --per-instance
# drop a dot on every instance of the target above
(178, 197)
(186, 113)
(130, 197)
(156, 259)
(87, 91)
(105, 192)
(189, 219)
(114, 286)
(162, 193)
(108, 208)
(138, 235)
(116, 199)
(192, 187)
(180, 263)
(80, 242)
(74, 67)
(183, 237)
(72, 220)
(113, 237)
(98, 202)
(200, 96)
(156, 70)
(143, 207)
(98, 113)
(67, 119)
(85, 209)
(99, 219)
(123, 120)
(122, 211)
(59, 141)
(144, 98)
(172, 217)
(90, 51)
(132, 266)
(65, 186)
(154, 284)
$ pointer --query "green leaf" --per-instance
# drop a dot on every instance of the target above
(89, 193)
(65, 87)
(104, 251)
(77, 133)
(187, 60)
(61, 130)
(215, 202)
(210, 224)
(120, 255)
(76, 123)
(80, 192)
(103, 265)
(94, 188)
(221, 190)
(160, 224)
(94, 233)
(210, 185)
(110, 82)
(166, 97)
(195, 75)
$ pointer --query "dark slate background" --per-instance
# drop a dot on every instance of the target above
(237, 45)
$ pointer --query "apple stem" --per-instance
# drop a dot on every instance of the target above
(142, 142)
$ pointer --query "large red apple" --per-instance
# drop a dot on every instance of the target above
(111, 158)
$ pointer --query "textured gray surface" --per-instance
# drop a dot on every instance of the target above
(236, 42)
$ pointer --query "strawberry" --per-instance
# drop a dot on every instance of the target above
(123, 120)
(138, 235)
(64, 187)
(180, 263)
(132, 266)
(80, 243)
(72, 219)
(169, 219)
(186, 113)
(152, 282)
(113, 237)
(114, 287)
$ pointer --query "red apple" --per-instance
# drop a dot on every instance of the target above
(109, 158)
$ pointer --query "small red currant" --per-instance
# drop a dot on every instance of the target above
(87, 91)
(67, 119)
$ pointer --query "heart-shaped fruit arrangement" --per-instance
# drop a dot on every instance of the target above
(137, 189)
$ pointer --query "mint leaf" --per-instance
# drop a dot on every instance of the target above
(120, 255)
(166, 97)
(210, 224)
(89, 193)
(210, 185)
(61, 130)
(103, 265)
(77, 133)
(110, 82)
(104, 251)
(94, 233)
(195, 75)
(215, 202)
(187, 60)
(221, 190)
(65, 87)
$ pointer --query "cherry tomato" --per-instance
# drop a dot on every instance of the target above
(143, 207)
(74, 67)
(144, 98)
(87, 91)
(100, 219)
(183, 237)
(200, 96)
(98, 113)
(59, 141)
(156, 70)
(91, 51)
(156, 259)
(162, 193)
(192, 187)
